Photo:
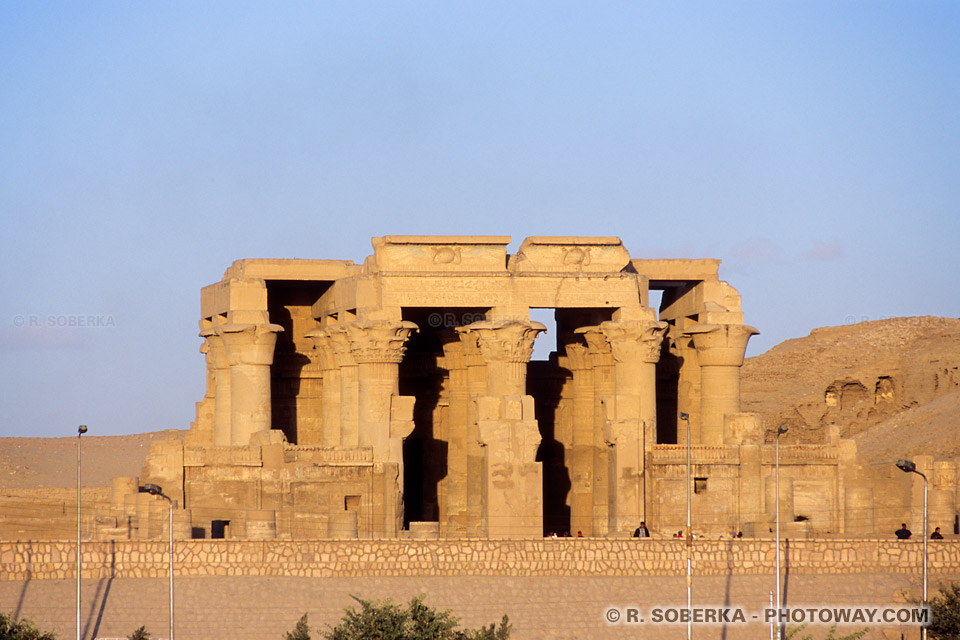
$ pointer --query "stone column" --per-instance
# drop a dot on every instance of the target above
(343, 356)
(581, 459)
(378, 348)
(459, 397)
(508, 430)
(632, 427)
(506, 347)
(249, 350)
(476, 388)
(720, 349)
(330, 391)
(604, 388)
(217, 353)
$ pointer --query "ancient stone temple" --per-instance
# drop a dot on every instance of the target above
(407, 400)
(398, 397)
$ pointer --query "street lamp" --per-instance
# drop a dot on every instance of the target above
(155, 490)
(686, 418)
(909, 466)
(782, 429)
(82, 429)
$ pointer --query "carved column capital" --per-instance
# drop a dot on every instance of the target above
(340, 342)
(508, 341)
(380, 341)
(214, 348)
(598, 346)
(323, 345)
(720, 344)
(634, 341)
(249, 343)
(577, 356)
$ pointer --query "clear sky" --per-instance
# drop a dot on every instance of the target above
(814, 147)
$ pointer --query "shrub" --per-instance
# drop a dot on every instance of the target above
(945, 613)
(140, 634)
(387, 621)
(301, 631)
(13, 629)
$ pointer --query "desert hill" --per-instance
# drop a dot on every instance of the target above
(892, 385)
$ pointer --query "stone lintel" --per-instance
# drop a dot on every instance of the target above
(666, 272)
(235, 300)
(439, 253)
(559, 254)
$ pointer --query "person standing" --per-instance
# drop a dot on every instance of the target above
(641, 531)
(936, 535)
(903, 533)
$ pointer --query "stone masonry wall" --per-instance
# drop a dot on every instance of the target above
(43, 560)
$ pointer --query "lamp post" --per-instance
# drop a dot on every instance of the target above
(909, 466)
(155, 490)
(780, 431)
(686, 418)
(82, 429)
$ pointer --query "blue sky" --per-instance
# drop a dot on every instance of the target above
(814, 147)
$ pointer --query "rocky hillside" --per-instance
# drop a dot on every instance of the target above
(893, 385)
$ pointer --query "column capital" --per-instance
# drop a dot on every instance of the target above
(340, 342)
(323, 345)
(634, 340)
(598, 346)
(214, 348)
(249, 343)
(577, 356)
(504, 341)
(453, 355)
(382, 341)
(720, 344)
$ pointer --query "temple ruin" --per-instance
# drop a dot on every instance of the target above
(398, 398)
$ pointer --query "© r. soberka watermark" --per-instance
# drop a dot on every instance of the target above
(810, 615)
(64, 321)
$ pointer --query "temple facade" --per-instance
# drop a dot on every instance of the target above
(398, 398)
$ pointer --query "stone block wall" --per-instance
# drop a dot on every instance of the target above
(46, 560)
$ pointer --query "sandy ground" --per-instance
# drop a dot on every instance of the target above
(28, 463)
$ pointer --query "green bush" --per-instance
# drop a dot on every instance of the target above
(140, 634)
(301, 631)
(945, 613)
(13, 629)
(387, 621)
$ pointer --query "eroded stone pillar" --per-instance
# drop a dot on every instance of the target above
(720, 349)
(330, 391)
(604, 389)
(343, 356)
(456, 480)
(577, 360)
(631, 426)
(249, 350)
(217, 353)
(476, 388)
(507, 430)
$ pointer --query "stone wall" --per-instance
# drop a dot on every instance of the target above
(515, 558)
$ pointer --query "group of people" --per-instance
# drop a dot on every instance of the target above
(904, 534)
